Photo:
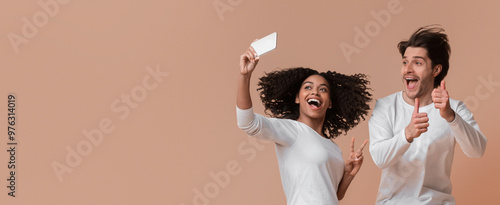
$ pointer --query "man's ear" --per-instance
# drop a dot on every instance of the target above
(297, 101)
(437, 70)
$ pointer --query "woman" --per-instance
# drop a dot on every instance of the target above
(310, 109)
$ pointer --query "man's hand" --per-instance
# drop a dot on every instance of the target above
(441, 101)
(418, 124)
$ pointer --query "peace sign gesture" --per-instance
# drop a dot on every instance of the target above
(353, 164)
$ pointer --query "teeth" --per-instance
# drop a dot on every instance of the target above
(313, 100)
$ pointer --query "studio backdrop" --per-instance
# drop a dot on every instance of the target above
(133, 102)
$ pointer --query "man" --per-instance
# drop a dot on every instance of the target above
(413, 132)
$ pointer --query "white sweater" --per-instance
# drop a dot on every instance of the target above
(311, 166)
(419, 172)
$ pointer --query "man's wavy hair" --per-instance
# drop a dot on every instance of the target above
(433, 39)
(348, 93)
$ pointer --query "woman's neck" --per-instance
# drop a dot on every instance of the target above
(315, 124)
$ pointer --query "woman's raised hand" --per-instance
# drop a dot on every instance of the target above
(248, 61)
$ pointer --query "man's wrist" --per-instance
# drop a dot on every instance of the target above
(408, 139)
(451, 116)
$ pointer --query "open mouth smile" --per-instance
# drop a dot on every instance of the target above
(411, 82)
(314, 104)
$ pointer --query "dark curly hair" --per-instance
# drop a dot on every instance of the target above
(349, 96)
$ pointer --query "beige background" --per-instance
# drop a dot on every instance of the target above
(86, 55)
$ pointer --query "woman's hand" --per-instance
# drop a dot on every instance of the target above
(353, 164)
(248, 61)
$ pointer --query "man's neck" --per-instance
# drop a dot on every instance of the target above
(424, 99)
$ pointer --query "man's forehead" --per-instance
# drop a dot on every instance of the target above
(415, 52)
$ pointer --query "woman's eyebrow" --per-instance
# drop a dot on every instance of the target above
(313, 83)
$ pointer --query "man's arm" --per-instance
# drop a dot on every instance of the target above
(467, 133)
(385, 147)
(461, 122)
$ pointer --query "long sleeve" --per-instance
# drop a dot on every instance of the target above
(386, 148)
(467, 133)
(280, 131)
(419, 172)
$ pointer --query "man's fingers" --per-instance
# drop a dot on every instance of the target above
(421, 120)
(422, 130)
(443, 85)
(422, 125)
(436, 94)
(438, 101)
(415, 111)
(422, 115)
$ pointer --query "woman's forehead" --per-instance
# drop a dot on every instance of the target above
(316, 79)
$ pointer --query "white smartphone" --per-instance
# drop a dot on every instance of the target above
(265, 44)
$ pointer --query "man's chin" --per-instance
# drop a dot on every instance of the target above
(410, 94)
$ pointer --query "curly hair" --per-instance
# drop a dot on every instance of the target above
(348, 93)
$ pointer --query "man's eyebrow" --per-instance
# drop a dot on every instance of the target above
(415, 57)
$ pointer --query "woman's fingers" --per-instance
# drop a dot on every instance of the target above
(352, 144)
(363, 145)
(253, 50)
(359, 152)
(250, 55)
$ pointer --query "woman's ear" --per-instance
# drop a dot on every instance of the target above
(330, 106)
(297, 101)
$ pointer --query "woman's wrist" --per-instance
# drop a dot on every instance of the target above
(246, 75)
(348, 176)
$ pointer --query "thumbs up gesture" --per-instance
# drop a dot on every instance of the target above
(418, 124)
(441, 101)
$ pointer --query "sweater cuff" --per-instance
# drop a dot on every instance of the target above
(403, 138)
(244, 117)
